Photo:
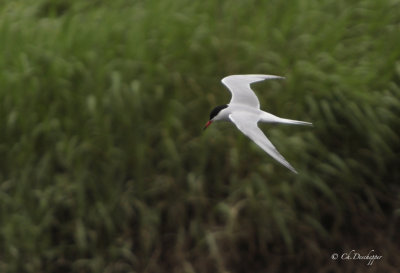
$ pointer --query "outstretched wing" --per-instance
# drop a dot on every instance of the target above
(239, 85)
(247, 123)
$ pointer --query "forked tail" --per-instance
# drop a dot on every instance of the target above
(296, 122)
(269, 118)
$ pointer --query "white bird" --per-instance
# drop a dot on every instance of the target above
(244, 111)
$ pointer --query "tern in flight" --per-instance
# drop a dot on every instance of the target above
(244, 111)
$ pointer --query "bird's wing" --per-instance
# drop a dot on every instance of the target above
(247, 123)
(239, 85)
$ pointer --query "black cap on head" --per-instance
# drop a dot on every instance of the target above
(216, 110)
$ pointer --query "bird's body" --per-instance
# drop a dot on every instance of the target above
(244, 111)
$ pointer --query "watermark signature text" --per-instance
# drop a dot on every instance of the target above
(354, 255)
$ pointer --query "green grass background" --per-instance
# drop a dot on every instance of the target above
(104, 166)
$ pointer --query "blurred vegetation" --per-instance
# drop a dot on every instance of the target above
(104, 166)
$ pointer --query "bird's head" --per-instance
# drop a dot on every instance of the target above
(214, 114)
